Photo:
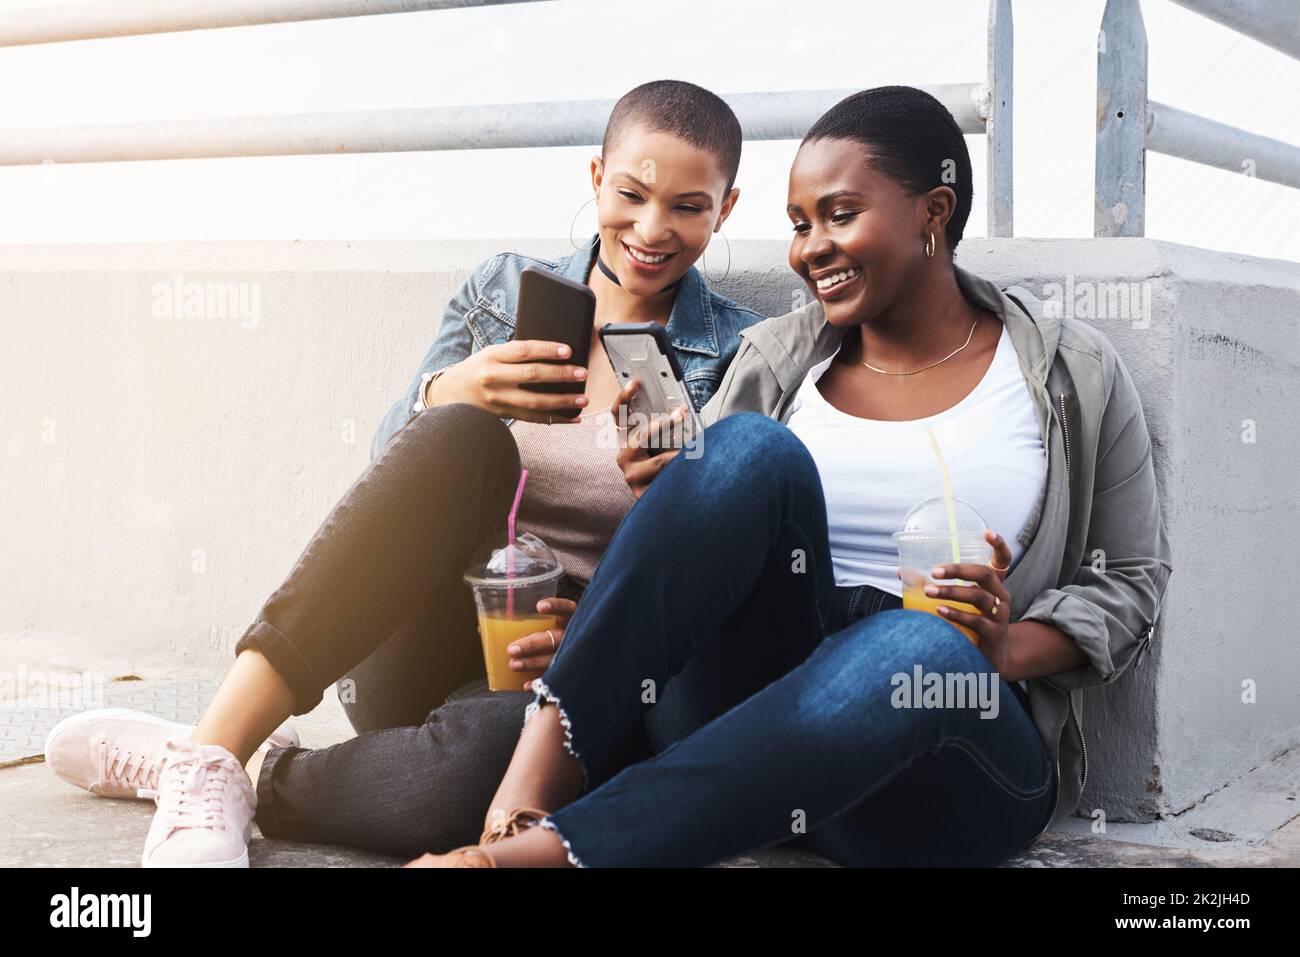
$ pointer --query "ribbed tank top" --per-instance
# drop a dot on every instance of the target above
(576, 495)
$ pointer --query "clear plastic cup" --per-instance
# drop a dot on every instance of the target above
(925, 540)
(508, 581)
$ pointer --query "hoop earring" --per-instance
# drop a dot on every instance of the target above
(929, 246)
(704, 261)
(574, 220)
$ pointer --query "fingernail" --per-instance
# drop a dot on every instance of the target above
(513, 649)
(580, 373)
(938, 571)
(562, 351)
(580, 400)
(943, 609)
(545, 606)
(932, 590)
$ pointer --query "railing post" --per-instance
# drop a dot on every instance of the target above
(998, 122)
(1120, 204)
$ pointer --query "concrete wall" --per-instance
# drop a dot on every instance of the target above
(164, 468)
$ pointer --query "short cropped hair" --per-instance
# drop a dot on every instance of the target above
(684, 110)
(913, 140)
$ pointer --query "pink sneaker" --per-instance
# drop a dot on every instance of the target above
(114, 752)
(205, 808)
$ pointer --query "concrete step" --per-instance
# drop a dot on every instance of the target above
(48, 823)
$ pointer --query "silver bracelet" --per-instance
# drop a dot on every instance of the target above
(425, 379)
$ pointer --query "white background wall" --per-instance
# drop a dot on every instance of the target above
(577, 49)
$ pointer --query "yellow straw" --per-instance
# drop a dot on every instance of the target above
(947, 495)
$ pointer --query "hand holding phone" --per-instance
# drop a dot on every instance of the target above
(639, 465)
(495, 379)
(540, 375)
(641, 350)
(557, 310)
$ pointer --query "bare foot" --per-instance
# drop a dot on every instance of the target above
(533, 847)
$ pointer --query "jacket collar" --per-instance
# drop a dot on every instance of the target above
(1034, 333)
(690, 324)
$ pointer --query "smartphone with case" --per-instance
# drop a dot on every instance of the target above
(555, 309)
(642, 350)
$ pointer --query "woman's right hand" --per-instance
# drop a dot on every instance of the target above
(639, 467)
(493, 379)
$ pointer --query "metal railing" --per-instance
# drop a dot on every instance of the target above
(130, 18)
(1129, 124)
(979, 108)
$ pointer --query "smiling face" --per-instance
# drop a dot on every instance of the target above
(661, 198)
(858, 235)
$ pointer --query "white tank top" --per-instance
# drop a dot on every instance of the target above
(874, 471)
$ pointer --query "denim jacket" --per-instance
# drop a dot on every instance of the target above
(1097, 557)
(704, 327)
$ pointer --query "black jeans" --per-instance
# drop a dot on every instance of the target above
(376, 600)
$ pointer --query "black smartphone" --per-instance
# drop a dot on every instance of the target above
(555, 309)
(642, 350)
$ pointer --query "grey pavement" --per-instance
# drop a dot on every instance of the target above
(46, 822)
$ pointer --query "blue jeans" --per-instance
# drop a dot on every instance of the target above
(785, 722)
(377, 598)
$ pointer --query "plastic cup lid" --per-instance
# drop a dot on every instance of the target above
(928, 521)
(498, 564)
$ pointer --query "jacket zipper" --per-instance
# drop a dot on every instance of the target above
(1083, 747)
(1078, 728)
(1065, 435)
(1082, 743)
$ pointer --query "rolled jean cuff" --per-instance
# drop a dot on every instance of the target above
(543, 693)
(265, 791)
(287, 660)
(549, 825)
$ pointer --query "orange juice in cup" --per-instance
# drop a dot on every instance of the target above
(508, 581)
(497, 634)
(929, 536)
(914, 597)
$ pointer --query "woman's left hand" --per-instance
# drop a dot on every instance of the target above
(534, 652)
(988, 594)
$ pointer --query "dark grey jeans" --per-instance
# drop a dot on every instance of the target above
(376, 603)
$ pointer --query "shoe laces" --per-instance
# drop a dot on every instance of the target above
(128, 769)
(194, 789)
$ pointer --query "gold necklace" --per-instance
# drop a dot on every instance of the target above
(969, 336)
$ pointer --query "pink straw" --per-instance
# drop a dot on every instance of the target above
(510, 530)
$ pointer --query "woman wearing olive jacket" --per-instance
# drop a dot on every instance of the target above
(752, 581)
